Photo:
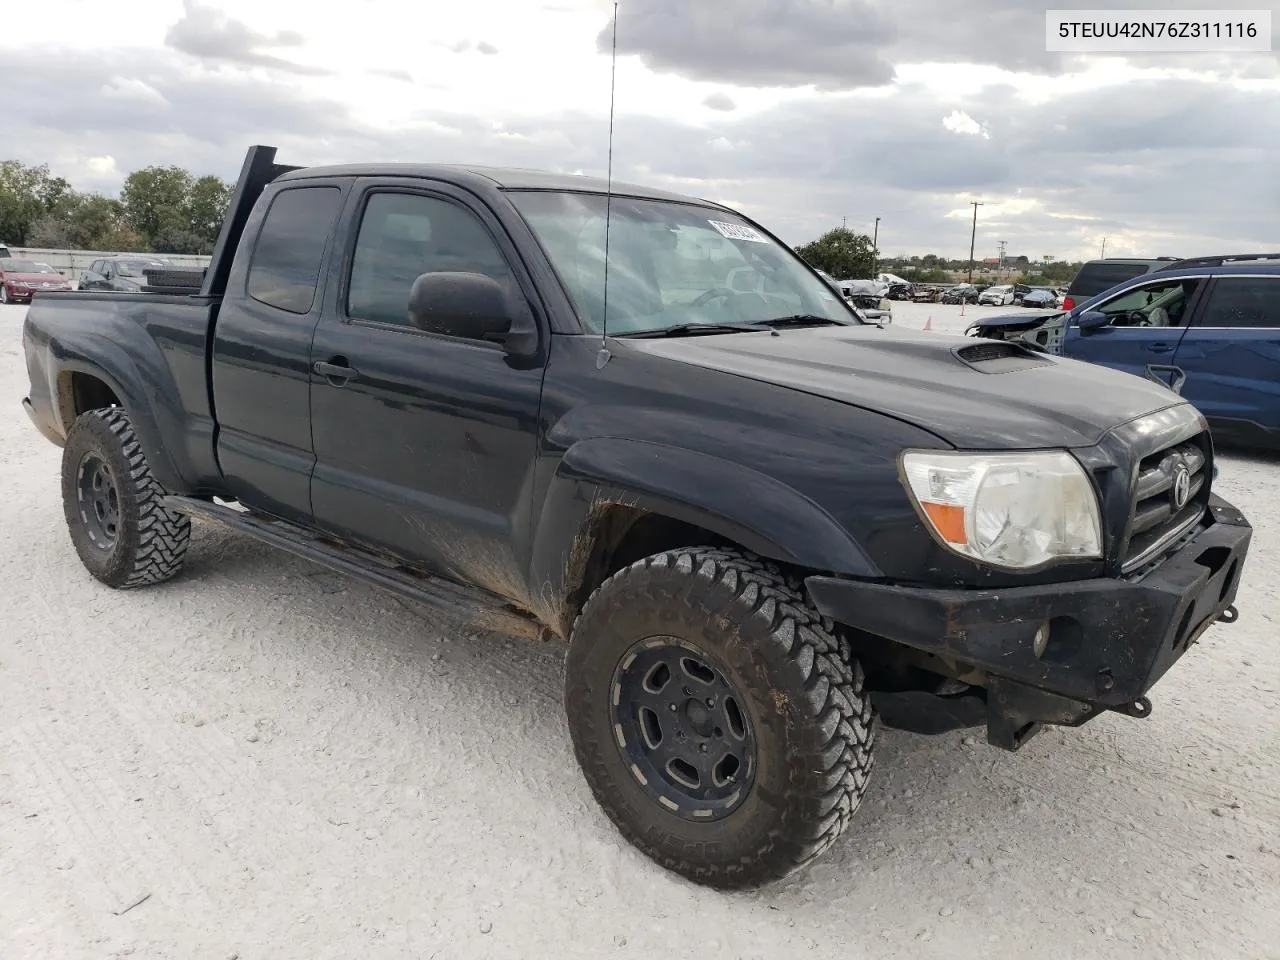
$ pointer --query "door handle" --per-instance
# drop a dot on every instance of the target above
(1161, 348)
(338, 372)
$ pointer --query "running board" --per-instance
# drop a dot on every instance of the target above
(471, 604)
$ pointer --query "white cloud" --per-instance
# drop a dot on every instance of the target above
(130, 89)
(1097, 145)
(957, 121)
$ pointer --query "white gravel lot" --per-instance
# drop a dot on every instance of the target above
(265, 760)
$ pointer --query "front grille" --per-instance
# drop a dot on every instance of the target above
(1166, 505)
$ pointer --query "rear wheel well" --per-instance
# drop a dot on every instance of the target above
(81, 392)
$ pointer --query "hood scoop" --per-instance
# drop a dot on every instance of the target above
(1000, 356)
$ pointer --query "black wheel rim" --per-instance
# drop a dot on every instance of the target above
(99, 501)
(683, 729)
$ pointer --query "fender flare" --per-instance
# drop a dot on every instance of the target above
(118, 370)
(762, 515)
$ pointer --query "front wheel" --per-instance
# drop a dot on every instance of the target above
(719, 721)
(112, 504)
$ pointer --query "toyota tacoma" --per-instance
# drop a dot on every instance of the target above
(641, 424)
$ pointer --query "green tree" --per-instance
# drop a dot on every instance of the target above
(27, 194)
(932, 275)
(86, 222)
(842, 253)
(174, 211)
(206, 207)
(153, 196)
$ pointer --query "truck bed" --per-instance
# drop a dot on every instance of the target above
(157, 343)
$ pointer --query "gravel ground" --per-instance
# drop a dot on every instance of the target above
(266, 760)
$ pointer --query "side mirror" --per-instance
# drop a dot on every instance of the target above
(471, 306)
(1092, 320)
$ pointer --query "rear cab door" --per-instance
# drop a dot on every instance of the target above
(1145, 323)
(261, 364)
(1231, 357)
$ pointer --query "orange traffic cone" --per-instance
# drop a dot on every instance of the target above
(928, 324)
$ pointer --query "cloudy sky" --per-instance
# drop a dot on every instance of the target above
(801, 113)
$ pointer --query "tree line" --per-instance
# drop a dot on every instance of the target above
(848, 255)
(161, 209)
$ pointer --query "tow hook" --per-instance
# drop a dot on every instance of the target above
(1139, 709)
(1229, 615)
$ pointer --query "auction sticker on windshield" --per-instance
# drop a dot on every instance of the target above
(738, 231)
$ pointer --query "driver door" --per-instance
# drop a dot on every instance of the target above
(1145, 325)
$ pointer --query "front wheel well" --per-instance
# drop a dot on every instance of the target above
(621, 535)
(81, 392)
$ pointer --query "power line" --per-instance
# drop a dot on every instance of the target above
(973, 236)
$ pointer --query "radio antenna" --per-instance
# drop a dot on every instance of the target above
(603, 357)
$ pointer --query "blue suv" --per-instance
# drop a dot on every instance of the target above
(1208, 327)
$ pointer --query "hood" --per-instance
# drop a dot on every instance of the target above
(1025, 318)
(35, 278)
(1027, 401)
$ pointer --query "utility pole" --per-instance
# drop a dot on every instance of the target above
(1001, 244)
(973, 236)
(1104, 249)
(844, 223)
(875, 249)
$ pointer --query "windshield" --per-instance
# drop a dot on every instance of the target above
(671, 264)
(134, 268)
(25, 266)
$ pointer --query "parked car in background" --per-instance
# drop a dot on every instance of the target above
(4, 252)
(123, 274)
(1041, 298)
(1000, 296)
(20, 280)
(1209, 328)
(866, 297)
(1097, 276)
(961, 293)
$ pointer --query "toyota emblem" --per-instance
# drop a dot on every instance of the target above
(1181, 486)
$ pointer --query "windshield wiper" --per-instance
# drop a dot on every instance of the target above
(688, 329)
(801, 319)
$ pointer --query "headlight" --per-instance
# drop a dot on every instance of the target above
(1011, 510)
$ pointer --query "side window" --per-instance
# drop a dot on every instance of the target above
(285, 268)
(108, 269)
(1243, 302)
(404, 235)
(1153, 305)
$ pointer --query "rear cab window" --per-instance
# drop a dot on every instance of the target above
(284, 271)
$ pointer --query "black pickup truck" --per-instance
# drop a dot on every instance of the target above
(761, 524)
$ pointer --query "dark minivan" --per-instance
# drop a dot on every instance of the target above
(1098, 275)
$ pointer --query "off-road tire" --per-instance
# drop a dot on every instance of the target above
(813, 722)
(151, 543)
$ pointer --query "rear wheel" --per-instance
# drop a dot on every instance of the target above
(717, 718)
(112, 504)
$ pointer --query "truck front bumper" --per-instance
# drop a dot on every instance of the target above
(1108, 640)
